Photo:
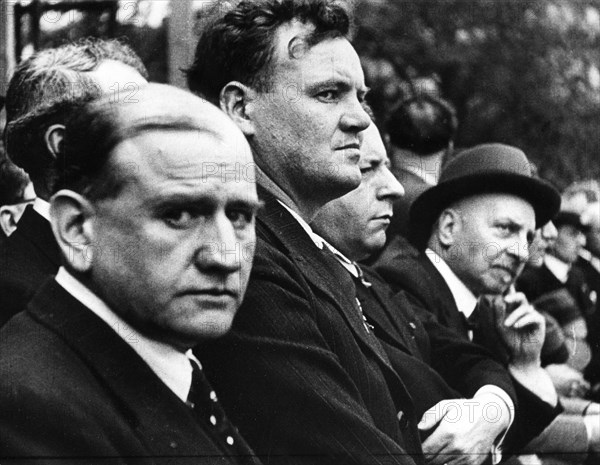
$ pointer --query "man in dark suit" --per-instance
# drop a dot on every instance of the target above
(473, 230)
(584, 197)
(99, 367)
(355, 225)
(561, 289)
(43, 91)
(300, 374)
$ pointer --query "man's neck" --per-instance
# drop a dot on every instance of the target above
(428, 167)
(306, 211)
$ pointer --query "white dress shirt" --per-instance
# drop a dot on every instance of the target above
(42, 207)
(318, 240)
(466, 302)
(557, 267)
(168, 363)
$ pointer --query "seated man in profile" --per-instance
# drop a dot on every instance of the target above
(355, 227)
(99, 366)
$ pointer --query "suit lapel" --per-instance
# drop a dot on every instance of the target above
(37, 230)
(386, 322)
(445, 300)
(165, 425)
(321, 270)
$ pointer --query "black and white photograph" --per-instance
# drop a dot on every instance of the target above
(300, 232)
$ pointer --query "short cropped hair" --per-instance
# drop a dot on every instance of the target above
(422, 124)
(46, 87)
(13, 182)
(237, 41)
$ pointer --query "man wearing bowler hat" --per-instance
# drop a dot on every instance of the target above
(472, 232)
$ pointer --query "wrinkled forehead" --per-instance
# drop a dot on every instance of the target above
(172, 111)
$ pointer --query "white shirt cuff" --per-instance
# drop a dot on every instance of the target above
(505, 407)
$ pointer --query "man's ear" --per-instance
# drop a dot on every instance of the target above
(449, 223)
(235, 99)
(54, 139)
(73, 226)
(8, 218)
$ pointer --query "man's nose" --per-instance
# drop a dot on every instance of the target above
(355, 118)
(220, 248)
(520, 250)
(390, 186)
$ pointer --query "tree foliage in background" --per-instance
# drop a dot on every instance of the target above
(526, 73)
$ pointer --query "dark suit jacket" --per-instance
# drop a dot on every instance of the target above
(299, 374)
(27, 258)
(535, 282)
(428, 356)
(71, 388)
(406, 269)
(592, 277)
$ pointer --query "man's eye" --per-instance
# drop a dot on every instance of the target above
(240, 218)
(506, 228)
(328, 95)
(178, 218)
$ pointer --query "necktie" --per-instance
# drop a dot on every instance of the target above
(203, 400)
(358, 276)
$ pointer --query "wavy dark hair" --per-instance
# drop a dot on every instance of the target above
(237, 41)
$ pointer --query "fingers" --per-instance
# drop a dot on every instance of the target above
(516, 298)
(523, 316)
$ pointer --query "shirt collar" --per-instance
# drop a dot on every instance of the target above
(464, 298)
(42, 207)
(557, 267)
(590, 258)
(318, 240)
(169, 364)
(343, 260)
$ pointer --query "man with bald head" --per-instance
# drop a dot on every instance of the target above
(156, 230)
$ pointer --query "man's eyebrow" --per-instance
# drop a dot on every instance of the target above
(330, 82)
(254, 205)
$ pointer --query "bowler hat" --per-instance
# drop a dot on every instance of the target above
(573, 219)
(486, 168)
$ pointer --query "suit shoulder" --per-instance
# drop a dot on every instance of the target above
(34, 359)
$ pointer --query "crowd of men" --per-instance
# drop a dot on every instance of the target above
(207, 276)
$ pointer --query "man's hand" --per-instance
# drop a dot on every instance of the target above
(464, 430)
(522, 329)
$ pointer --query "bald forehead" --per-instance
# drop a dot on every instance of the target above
(171, 107)
(493, 206)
